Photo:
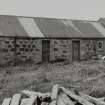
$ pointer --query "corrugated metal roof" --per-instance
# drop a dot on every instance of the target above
(50, 27)
(99, 27)
(87, 29)
(30, 27)
(10, 26)
(73, 31)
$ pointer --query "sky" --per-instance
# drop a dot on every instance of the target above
(72, 9)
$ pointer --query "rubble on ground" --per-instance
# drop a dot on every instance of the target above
(58, 96)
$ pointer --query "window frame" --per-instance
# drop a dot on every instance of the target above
(101, 41)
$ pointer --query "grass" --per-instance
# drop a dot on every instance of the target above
(87, 77)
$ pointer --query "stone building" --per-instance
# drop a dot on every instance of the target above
(48, 39)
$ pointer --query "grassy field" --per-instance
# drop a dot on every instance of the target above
(87, 77)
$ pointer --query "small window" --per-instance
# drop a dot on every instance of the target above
(100, 45)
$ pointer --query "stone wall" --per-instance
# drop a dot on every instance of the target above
(15, 50)
(29, 50)
(7, 50)
(102, 51)
(89, 48)
(60, 50)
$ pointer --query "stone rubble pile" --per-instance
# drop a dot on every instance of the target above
(58, 96)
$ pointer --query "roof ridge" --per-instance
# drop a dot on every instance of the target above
(50, 18)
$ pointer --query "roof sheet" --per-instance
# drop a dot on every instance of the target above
(50, 27)
(99, 27)
(73, 31)
(87, 29)
(10, 26)
(30, 27)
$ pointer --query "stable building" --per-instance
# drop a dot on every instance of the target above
(34, 39)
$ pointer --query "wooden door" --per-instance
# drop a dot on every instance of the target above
(75, 50)
(45, 50)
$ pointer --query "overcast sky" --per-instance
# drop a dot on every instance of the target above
(73, 9)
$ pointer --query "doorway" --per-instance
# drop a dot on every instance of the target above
(45, 50)
(75, 50)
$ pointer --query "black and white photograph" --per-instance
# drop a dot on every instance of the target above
(52, 52)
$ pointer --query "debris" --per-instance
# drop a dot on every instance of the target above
(25, 101)
(76, 97)
(66, 99)
(103, 57)
(32, 100)
(30, 93)
(55, 91)
(102, 99)
(92, 99)
(16, 99)
(6, 101)
(54, 94)
(58, 96)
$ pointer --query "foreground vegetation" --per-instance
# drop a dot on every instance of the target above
(87, 77)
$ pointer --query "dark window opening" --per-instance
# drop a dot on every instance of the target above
(100, 45)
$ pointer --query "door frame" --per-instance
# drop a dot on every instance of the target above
(75, 40)
(48, 51)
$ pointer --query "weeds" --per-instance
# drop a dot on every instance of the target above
(41, 77)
